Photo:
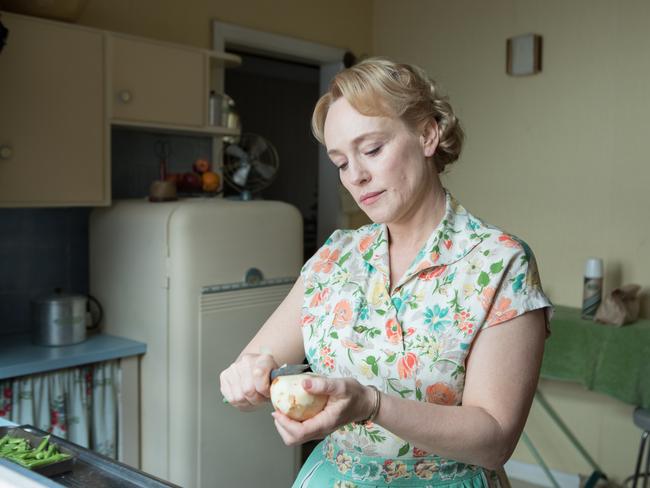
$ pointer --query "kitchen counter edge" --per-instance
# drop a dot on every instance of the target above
(20, 357)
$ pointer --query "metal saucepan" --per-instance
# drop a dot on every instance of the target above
(61, 319)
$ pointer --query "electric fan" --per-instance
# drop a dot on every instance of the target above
(250, 164)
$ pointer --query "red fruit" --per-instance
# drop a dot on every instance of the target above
(201, 165)
(191, 182)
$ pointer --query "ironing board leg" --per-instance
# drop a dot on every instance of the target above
(646, 475)
(539, 459)
(558, 421)
(637, 471)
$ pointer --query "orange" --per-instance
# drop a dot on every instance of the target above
(210, 181)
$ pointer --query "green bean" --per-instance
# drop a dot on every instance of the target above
(43, 443)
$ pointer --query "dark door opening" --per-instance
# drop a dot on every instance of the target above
(275, 99)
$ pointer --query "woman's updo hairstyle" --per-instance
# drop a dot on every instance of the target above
(380, 87)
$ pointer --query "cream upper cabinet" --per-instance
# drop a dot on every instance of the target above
(53, 127)
(62, 86)
(157, 83)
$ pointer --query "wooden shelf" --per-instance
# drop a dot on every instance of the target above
(208, 130)
(227, 60)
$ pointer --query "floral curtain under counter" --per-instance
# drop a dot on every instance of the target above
(77, 404)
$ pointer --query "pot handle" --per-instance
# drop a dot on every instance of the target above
(96, 318)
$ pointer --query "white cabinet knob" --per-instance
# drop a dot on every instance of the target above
(6, 152)
(125, 96)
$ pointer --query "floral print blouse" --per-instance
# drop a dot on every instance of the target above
(414, 341)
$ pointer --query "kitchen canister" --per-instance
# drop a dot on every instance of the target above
(61, 319)
(214, 108)
(222, 111)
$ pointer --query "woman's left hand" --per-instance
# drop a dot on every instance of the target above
(349, 401)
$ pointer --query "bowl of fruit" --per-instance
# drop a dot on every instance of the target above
(201, 181)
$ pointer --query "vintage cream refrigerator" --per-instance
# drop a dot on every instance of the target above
(195, 279)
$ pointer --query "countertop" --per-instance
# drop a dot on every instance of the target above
(19, 357)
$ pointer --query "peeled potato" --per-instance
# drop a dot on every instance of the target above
(289, 397)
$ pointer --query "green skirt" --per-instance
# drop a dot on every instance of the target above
(326, 468)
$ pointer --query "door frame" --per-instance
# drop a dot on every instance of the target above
(330, 60)
(226, 35)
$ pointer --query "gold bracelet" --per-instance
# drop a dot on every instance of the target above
(375, 408)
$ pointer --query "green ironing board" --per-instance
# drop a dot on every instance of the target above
(604, 358)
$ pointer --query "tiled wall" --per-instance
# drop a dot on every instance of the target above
(135, 160)
(40, 249)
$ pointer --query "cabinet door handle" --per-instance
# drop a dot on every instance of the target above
(125, 96)
(6, 152)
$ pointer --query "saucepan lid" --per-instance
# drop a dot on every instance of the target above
(59, 296)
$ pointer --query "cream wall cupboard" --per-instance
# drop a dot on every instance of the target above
(53, 127)
(160, 85)
(62, 86)
(156, 83)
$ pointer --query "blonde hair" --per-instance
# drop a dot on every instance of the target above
(380, 87)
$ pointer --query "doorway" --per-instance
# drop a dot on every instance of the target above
(328, 60)
(275, 99)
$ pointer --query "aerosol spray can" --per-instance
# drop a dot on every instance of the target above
(593, 288)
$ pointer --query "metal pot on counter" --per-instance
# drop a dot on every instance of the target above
(61, 319)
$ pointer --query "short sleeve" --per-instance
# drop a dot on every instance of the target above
(519, 290)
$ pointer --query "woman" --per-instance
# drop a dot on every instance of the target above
(427, 326)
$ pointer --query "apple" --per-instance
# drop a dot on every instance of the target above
(201, 166)
(191, 182)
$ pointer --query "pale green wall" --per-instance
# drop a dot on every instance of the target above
(337, 23)
(559, 158)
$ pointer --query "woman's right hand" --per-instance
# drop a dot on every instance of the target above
(246, 383)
